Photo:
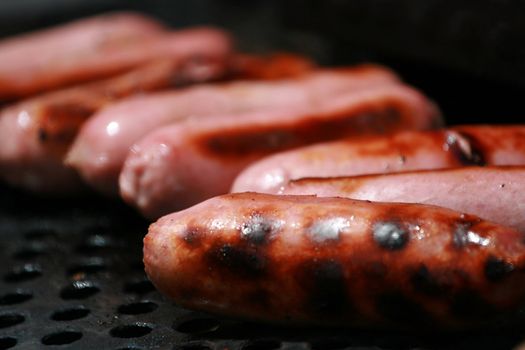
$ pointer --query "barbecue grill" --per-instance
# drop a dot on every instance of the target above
(71, 272)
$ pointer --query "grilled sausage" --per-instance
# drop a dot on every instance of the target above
(35, 134)
(182, 164)
(98, 155)
(411, 150)
(492, 193)
(95, 49)
(70, 53)
(311, 260)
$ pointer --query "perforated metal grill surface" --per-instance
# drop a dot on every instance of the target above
(71, 277)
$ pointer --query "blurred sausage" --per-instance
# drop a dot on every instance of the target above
(70, 53)
(35, 134)
(181, 164)
(326, 261)
(104, 141)
(411, 150)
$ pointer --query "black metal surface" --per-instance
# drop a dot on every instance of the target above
(72, 278)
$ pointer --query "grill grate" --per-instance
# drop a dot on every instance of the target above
(71, 276)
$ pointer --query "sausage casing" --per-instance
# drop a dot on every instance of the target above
(493, 193)
(305, 259)
(403, 151)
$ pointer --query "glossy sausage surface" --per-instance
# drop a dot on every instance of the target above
(404, 151)
(104, 142)
(310, 260)
(36, 133)
(182, 164)
(492, 193)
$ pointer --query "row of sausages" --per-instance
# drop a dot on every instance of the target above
(110, 110)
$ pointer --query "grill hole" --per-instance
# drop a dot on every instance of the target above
(91, 265)
(141, 307)
(198, 325)
(16, 297)
(195, 346)
(39, 234)
(262, 344)
(135, 330)
(23, 273)
(7, 342)
(141, 286)
(11, 319)
(70, 314)
(79, 290)
(61, 338)
(95, 243)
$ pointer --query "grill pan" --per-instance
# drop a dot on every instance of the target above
(71, 277)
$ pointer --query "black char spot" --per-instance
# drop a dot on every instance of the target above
(240, 260)
(464, 149)
(390, 236)
(192, 236)
(257, 230)
(468, 305)
(424, 282)
(396, 307)
(325, 282)
(496, 269)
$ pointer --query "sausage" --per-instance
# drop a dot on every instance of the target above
(98, 155)
(70, 53)
(181, 164)
(36, 133)
(95, 49)
(492, 193)
(336, 261)
(404, 151)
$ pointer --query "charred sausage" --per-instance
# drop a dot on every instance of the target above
(493, 193)
(98, 154)
(310, 260)
(411, 150)
(182, 164)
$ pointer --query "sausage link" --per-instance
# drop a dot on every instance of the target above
(99, 155)
(311, 260)
(493, 193)
(36, 133)
(404, 151)
(182, 164)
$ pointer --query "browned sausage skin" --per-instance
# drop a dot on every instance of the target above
(403, 151)
(310, 260)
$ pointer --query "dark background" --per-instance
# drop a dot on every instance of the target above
(469, 56)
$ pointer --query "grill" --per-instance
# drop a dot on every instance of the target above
(71, 272)
(72, 278)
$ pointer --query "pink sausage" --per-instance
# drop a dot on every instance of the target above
(74, 52)
(411, 150)
(492, 193)
(104, 142)
(181, 164)
(36, 133)
(326, 261)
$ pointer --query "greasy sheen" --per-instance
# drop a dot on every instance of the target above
(309, 260)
